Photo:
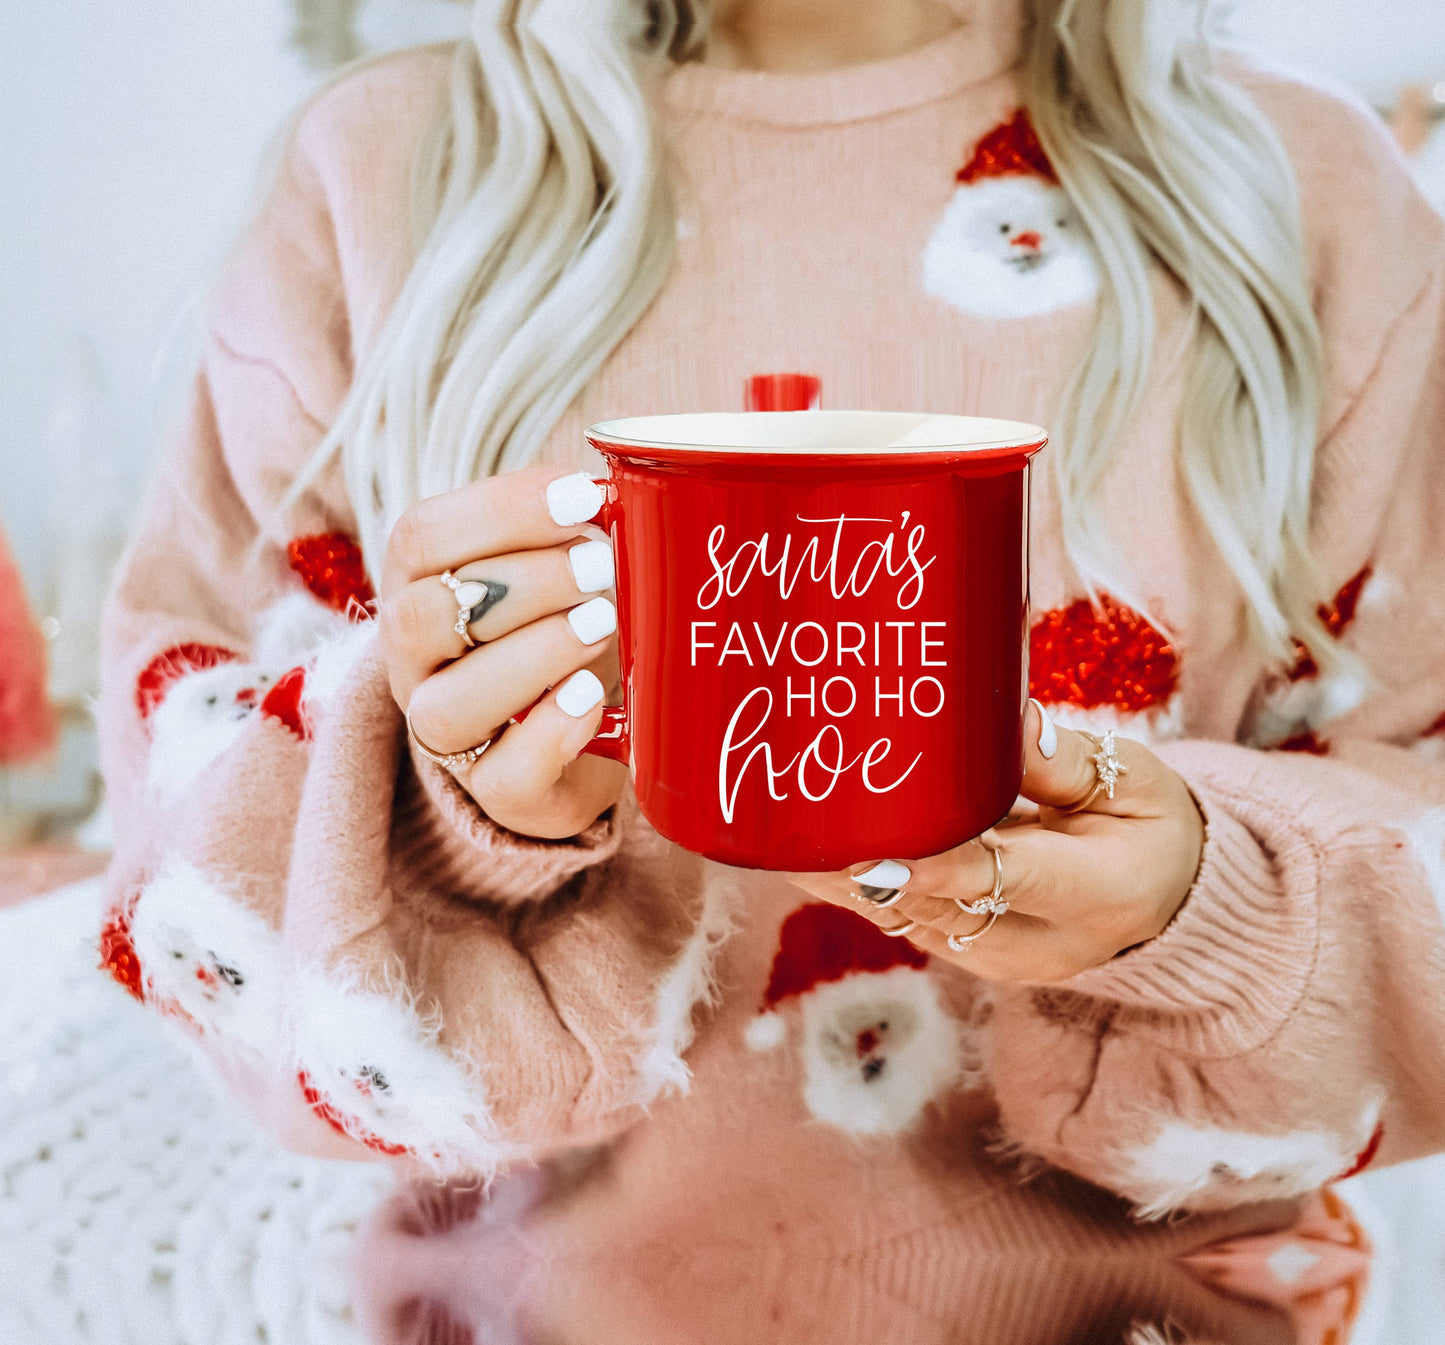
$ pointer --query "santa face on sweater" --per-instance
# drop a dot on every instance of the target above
(876, 1049)
(209, 953)
(1010, 244)
(1010, 247)
(373, 1069)
(877, 1044)
(202, 714)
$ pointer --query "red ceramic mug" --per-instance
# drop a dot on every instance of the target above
(823, 627)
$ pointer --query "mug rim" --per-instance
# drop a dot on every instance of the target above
(990, 437)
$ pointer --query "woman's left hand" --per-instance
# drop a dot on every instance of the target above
(1081, 887)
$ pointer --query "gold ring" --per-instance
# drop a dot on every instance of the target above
(994, 903)
(907, 927)
(449, 760)
(1107, 770)
(961, 944)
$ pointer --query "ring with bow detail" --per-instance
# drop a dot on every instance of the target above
(995, 903)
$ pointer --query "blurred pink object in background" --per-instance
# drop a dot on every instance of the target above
(27, 720)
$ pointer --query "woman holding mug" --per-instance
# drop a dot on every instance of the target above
(1202, 966)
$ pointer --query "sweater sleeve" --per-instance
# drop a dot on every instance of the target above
(371, 964)
(1288, 1026)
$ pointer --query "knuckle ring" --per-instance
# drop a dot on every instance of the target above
(961, 943)
(475, 598)
(1107, 770)
(995, 902)
(907, 927)
(882, 885)
(447, 760)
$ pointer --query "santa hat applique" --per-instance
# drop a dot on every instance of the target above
(819, 943)
(1010, 243)
(117, 948)
(876, 1043)
(1011, 149)
(168, 667)
(333, 569)
(1105, 668)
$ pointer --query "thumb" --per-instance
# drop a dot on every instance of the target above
(1060, 770)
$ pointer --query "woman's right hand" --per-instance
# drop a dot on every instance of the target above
(545, 632)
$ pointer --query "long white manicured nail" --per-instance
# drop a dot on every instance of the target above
(1048, 735)
(579, 693)
(592, 566)
(886, 873)
(573, 499)
(593, 621)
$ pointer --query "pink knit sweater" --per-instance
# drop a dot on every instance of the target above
(381, 970)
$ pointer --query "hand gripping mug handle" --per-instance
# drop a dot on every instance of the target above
(613, 738)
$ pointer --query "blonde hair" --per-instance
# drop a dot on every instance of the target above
(1163, 156)
(546, 227)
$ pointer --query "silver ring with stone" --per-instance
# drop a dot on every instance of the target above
(887, 896)
(882, 884)
(1107, 770)
(471, 595)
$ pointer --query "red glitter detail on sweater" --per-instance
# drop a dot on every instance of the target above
(819, 943)
(1009, 150)
(1366, 1156)
(340, 1122)
(1340, 613)
(167, 668)
(331, 566)
(1112, 657)
(117, 951)
(1337, 616)
(283, 703)
(1308, 741)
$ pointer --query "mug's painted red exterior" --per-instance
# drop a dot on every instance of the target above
(858, 694)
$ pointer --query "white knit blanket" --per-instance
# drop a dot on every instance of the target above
(138, 1207)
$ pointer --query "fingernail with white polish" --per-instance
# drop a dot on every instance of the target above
(573, 499)
(592, 566)
(886, 873)
(579, 693)
(593, 621)
(1048, 735)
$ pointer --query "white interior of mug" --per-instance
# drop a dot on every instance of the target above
(815, 431)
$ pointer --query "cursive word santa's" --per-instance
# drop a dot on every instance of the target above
(846, 556)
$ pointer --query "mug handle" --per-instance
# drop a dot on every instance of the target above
(613, 738)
